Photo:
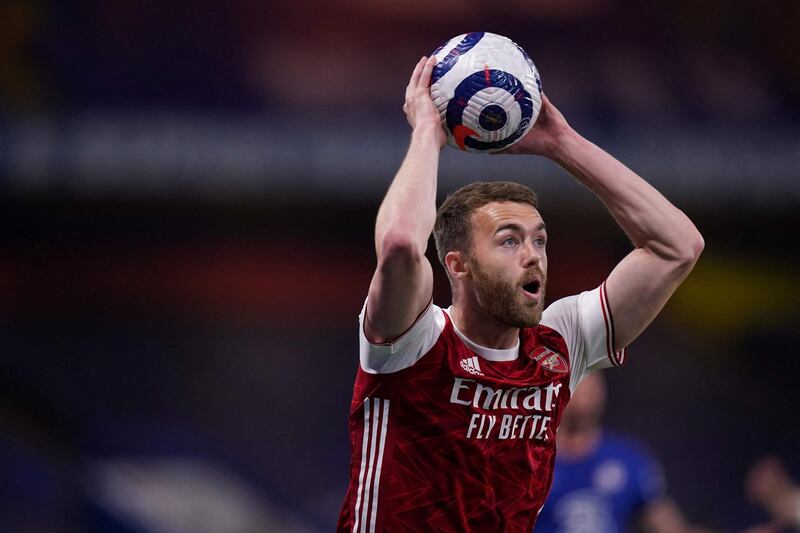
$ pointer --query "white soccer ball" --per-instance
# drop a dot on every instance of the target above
(487, 91)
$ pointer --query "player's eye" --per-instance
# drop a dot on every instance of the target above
(541, 243)
(509, 242)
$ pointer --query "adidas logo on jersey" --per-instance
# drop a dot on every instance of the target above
(471, 365)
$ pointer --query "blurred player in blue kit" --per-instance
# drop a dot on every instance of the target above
(604, 482)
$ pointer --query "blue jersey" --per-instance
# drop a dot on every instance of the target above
(603, 492)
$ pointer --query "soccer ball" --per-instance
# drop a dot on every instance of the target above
(487, 91)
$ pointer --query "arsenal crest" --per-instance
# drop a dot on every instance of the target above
(549, 359)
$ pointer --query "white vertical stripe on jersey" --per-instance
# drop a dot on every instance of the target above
(377, 484)
(364, 443)
(475, 362)
(375, 411)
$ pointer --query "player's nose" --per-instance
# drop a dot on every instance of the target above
(531, 255)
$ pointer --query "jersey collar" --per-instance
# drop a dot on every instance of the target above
(490, 354)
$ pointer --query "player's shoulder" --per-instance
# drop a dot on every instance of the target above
(562, 315)
(554, 314)
(407, 349)
(567, 307)
(572, 302)
(559, 305)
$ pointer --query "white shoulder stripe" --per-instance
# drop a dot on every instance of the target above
(376, 424)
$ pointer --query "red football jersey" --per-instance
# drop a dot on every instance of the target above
(447, 435)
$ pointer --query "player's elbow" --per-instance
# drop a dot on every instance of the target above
(691, 249)
(398, 249)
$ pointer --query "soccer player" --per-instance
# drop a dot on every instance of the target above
(604, 482)
(454, 411)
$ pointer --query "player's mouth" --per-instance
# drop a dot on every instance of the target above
(531, 289)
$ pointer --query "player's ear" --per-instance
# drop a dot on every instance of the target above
(457, 264)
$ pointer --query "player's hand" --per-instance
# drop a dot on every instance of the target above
(545, 136)
(418, 107)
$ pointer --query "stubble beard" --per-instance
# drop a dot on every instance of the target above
(504, 301)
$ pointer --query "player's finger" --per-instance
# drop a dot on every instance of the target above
(412, 83)
(425, 75)
(415, 76)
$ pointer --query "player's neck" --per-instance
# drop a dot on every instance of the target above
(483, 330)
(576, 444)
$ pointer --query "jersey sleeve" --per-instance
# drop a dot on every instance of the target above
(389, 357)
(587, 325)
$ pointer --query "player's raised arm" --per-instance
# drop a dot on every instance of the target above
(667, 244)
(403, 281)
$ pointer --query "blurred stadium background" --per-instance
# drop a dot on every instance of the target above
(187, 194)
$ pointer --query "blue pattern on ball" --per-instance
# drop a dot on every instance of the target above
(478, 81)
(465, 45)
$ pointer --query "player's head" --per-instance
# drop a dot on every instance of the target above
(490, 238)
(586, 406)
